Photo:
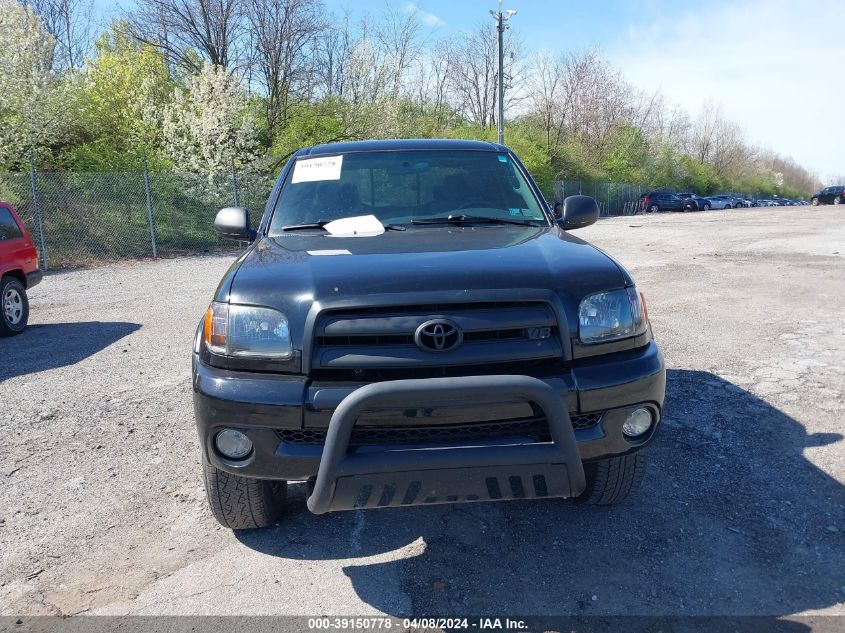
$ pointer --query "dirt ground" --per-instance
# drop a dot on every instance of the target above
(102, 508)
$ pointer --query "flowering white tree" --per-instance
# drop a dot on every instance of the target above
(373, 109)
(208, 125)
(33, 107)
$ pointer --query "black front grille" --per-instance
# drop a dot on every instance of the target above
(377, 338)
(535, 429)
(586, 420)
(408, 339)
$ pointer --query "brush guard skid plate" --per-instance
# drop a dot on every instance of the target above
(421, 476)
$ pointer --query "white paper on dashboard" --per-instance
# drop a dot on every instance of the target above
(315, 169)
(359, 226)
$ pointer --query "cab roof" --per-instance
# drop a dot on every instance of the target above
(402, 144)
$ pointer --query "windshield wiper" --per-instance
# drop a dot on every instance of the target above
(472, 219)
(321, 224)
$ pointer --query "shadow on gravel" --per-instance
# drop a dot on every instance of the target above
(732, 519)
(42, 347)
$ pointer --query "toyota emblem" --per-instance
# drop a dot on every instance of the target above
(438, 335)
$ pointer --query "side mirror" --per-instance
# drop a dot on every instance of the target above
(232, 223)
(578, 212)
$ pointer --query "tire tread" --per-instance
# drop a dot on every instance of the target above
(611, 481)
(5, 328)
(242, 503)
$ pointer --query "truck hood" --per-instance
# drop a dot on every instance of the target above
(291, 271)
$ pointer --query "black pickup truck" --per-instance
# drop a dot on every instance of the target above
(413, 324)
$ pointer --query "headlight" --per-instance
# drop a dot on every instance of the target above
(247, 332)
(609, 316)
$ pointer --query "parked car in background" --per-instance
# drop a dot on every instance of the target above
(835, 194)
(655, 201)
(18, 271)
(702, 204)
(722, 202)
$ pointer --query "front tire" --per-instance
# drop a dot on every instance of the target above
(610, 481)
(654, 208)
(14, 307)
(243, 503)
(815, 202)
(706, 207)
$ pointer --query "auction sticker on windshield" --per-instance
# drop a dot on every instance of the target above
(315, 169)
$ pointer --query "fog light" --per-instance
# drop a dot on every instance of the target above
(638, 422)
(233, 444)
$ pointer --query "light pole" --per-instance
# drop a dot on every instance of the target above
(501, 17)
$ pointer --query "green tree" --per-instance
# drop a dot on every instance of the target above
(628, 157)
(309, 124)
(126, 88)
(697, 176)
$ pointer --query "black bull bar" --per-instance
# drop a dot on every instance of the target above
(421, 476)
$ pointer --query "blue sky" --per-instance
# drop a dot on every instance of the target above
(774, 66)
(552, 24)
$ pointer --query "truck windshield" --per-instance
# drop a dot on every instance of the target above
(400, 187)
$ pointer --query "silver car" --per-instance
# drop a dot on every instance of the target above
(722, 202)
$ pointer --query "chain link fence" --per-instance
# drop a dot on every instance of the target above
(613, 198)
(81, 218)
(78, 219)
(626, 199)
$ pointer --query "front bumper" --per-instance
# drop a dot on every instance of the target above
(448, 474)
(263, 404)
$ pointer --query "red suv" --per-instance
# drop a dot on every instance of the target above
(18, 271)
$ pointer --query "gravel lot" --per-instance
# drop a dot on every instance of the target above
(102, 509)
